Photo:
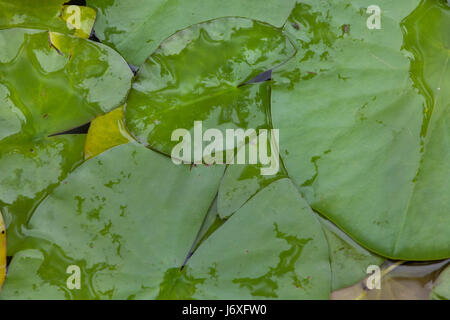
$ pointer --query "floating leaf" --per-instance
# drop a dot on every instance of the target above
(50, 15)
(49, 83)
(363, 124)
(199, 74)
(154, 20)
(349, 261)
(106, 131)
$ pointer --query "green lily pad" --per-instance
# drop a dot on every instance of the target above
(128, 249)
(362, 116)
(52, 15)
(199, 74)
(292, 264)
(49, 83)
(124, 223)
(137, 29)
(349, 261)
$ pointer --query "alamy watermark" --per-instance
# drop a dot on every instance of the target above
(211, 147)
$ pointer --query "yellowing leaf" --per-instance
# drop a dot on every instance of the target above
(398, 281)
(105, 132)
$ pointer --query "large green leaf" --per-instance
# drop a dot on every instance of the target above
(137, 28)
(363, 118)
(49, 83)
(293, 263)
(52, 15)
(199, 74)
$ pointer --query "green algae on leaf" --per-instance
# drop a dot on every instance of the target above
(106, 131)
(2, 250)
(348, 260)
(198, 75)
(52, 15)
(154, 20)
(49, 83)
(351, 116)
(283, 256)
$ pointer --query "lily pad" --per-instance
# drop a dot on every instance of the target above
(292, 264)
(124, 223)
(348, 260)
(106, 131)
(126, 249)
(398, 281)
(441, 289)
(52, 15)
(155, 20)
(49, 83)
(363, 124)
(200, 74)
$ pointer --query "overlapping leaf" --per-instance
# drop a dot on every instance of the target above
(154, 20)
(106, 131)
(2, 251)
(52, 15)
